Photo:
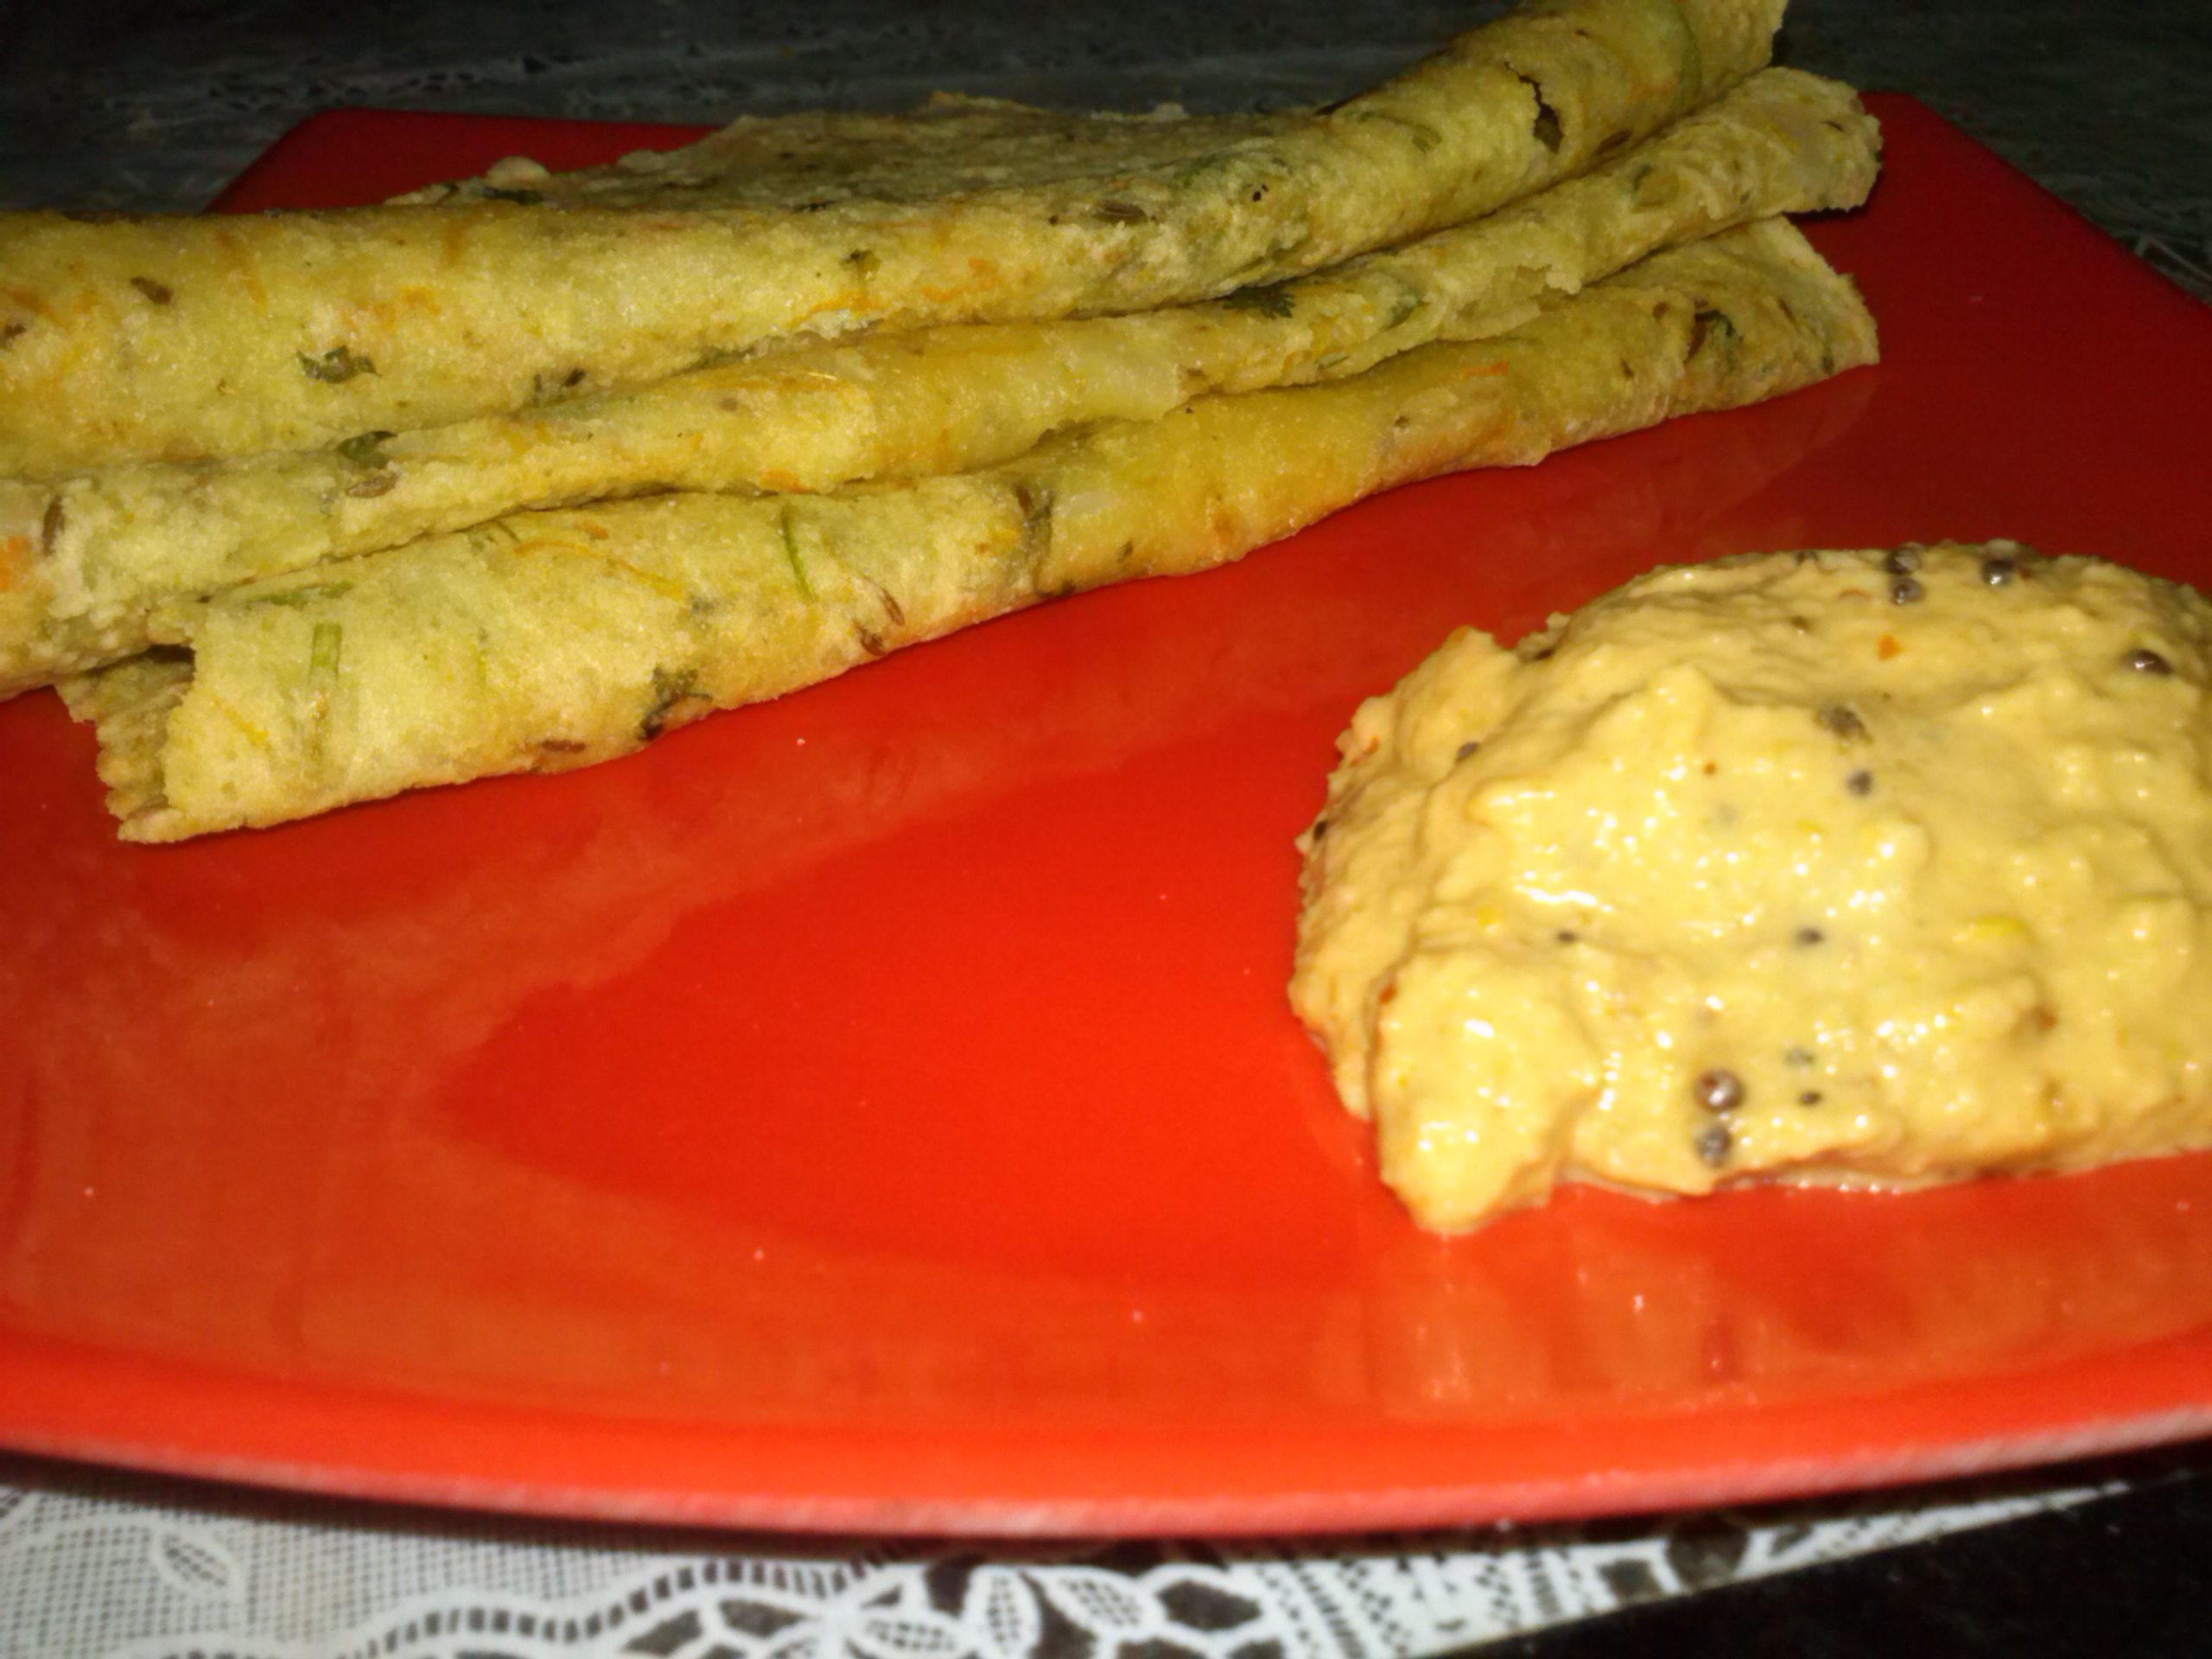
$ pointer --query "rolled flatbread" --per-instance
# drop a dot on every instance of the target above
(546, 640)
(108, 545)
(182, 339)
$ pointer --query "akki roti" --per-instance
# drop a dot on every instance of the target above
(186, 338)
(113, 541)
(547, 640)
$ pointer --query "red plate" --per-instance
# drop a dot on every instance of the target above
(878, 1109)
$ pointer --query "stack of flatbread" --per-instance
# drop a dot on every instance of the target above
(517, 473)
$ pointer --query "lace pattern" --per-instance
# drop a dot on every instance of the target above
(86, 1570)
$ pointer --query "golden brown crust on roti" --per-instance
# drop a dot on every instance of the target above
(189, 338)
(114, 541)
(551, 639)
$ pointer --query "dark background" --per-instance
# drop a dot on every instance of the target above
(156, 103)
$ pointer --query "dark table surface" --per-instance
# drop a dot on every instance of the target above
(138, 105)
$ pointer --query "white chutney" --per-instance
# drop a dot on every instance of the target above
(1872, 867)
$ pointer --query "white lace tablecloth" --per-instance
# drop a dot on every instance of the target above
(98, 1563)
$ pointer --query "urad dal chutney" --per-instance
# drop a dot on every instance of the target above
(1874, 868)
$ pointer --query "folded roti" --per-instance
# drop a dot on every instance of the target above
(552, 640)
(109, 545)
(182, 339)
